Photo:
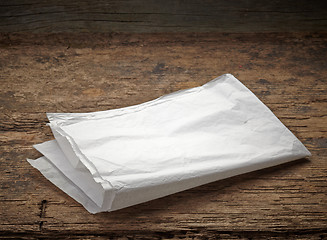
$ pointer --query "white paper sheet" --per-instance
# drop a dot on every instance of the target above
(122, 157)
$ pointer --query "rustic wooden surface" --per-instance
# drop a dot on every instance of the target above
(90, 72)
(162, 16)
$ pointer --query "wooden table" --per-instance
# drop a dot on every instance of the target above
(91, 72)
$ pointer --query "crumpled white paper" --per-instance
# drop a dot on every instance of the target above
(113, 159)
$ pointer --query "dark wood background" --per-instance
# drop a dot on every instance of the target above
(66, 56)
(163, 16)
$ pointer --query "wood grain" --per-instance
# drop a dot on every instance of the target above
(93, 72)
(162, 16)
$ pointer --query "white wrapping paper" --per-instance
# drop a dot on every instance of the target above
(118, 158)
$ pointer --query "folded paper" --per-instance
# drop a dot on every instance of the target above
(113, 159)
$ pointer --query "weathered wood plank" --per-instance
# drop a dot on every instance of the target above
(162, 16)
(92, 72)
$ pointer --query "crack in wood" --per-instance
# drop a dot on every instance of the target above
(197, 233)
(42, 208)
(42, 213)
